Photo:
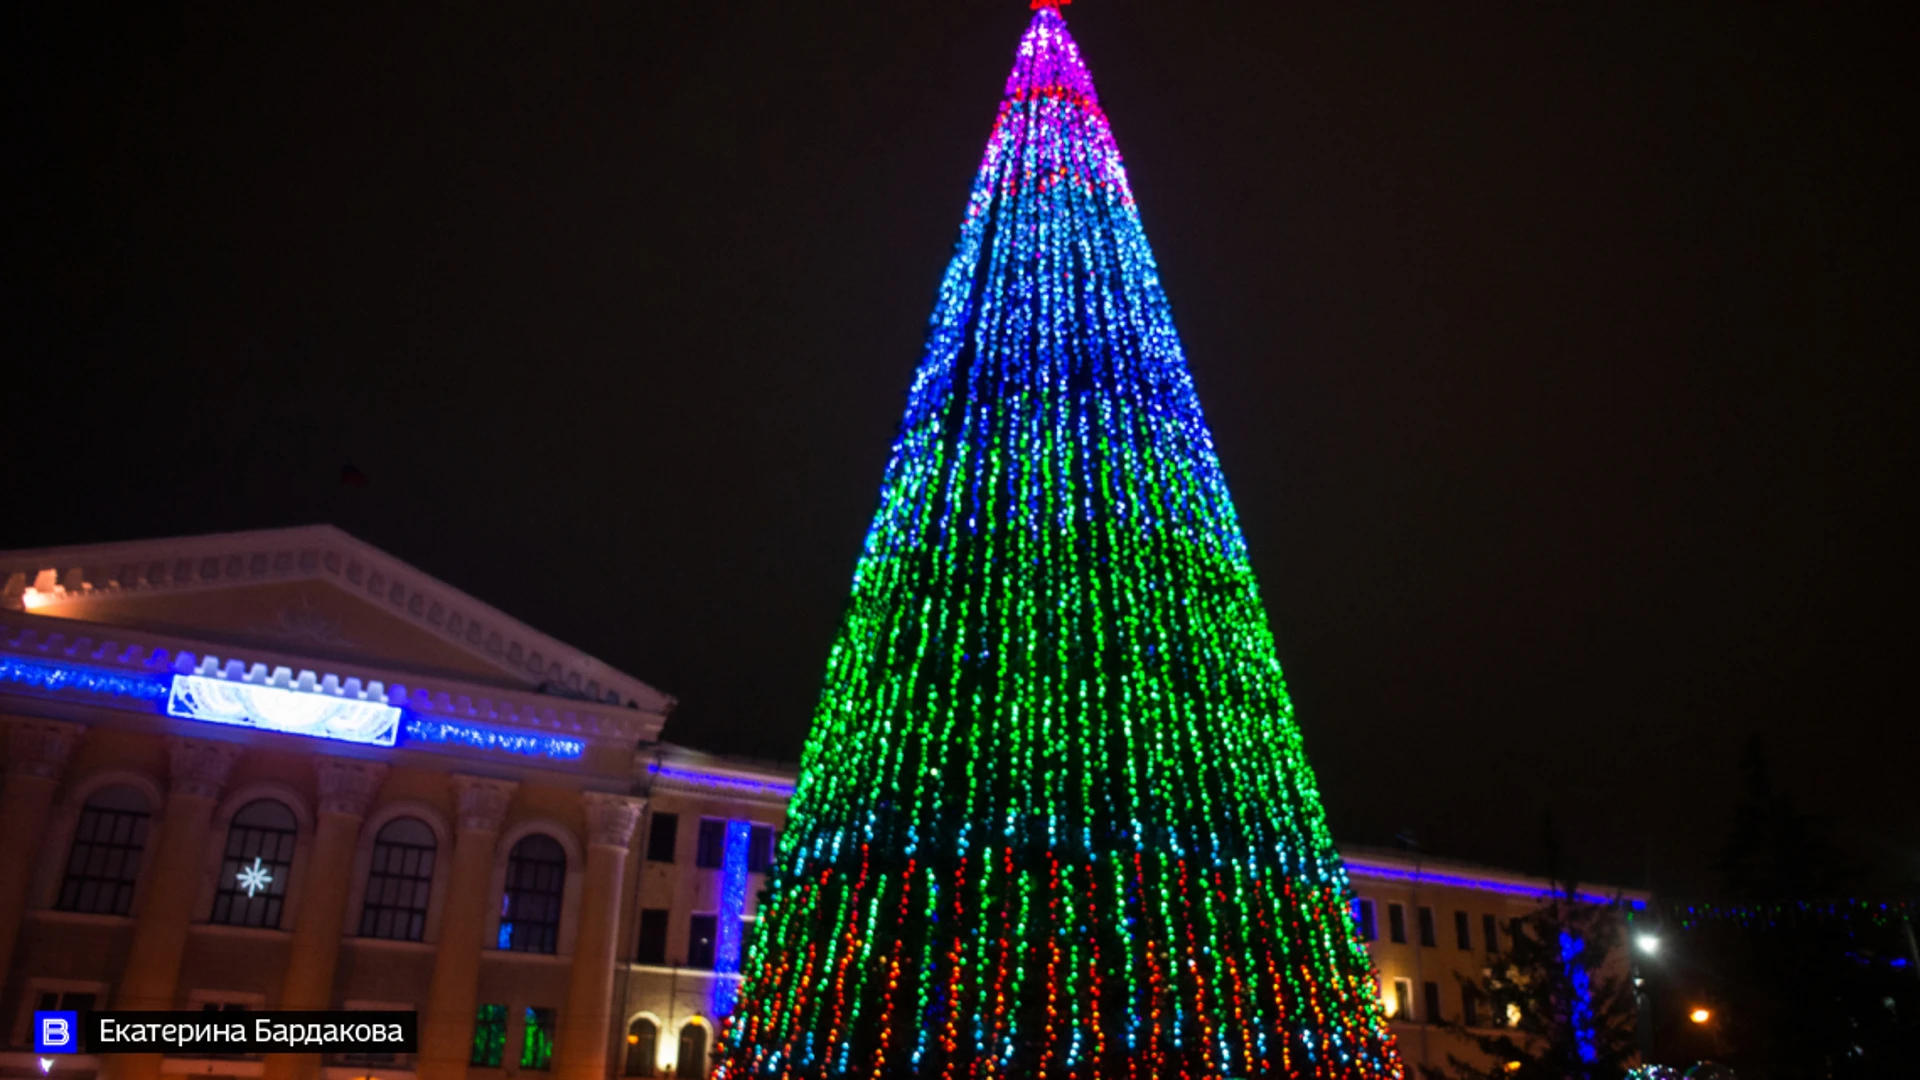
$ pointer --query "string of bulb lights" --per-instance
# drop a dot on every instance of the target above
(1054, 818)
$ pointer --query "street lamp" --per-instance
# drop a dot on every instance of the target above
(1700, 1015)
(1648, 943)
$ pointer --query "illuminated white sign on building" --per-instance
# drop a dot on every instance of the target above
(318, 715)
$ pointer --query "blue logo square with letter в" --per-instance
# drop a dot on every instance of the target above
(56, 1032)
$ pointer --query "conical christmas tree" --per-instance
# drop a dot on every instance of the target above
(1054, 819)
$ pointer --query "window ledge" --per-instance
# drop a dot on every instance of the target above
(31, 1062)
(361, 1072)
(256, 933)
(531, 957)
(684, 972)
(390, 944)
(78, 918)
(204, 1066)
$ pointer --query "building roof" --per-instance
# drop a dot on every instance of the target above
(472, 640)
(1419, 868)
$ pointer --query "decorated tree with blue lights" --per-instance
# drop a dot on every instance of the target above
(1054, 818)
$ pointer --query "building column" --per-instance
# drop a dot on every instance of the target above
(587, 1022)
(446, 1024)
(37, 752)
(197, 771)
(346, 787)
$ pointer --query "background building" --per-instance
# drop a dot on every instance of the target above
(283, 769)
(1429, 923)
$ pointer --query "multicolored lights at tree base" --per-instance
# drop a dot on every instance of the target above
(1054, 818)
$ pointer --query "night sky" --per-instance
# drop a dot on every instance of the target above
(1560, 357)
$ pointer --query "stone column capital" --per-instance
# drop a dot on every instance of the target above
(347, 785)
(482, 801)
(200, 766)
(611, 819)
(41, 747)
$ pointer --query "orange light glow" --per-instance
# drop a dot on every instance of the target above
(1700, 1016)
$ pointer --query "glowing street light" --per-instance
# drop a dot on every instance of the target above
(1648, 943)
(1700, 1016)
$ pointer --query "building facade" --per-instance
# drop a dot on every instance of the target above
(1429, 924)
(285, 770)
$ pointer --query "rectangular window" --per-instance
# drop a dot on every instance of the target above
(1364, 921)
(1433, 1002)
(1426, 928)
(376, 1058)
(1460, 931)
(213, 1004)
(399, 883)
(1403, 999)
(536, 1044)
(653, 936)
(66, 1001)
(253, 876)
(1490, 930)
(711, 849)
(489, 1036)
(105, 859)
(1470, 1005)
(702, 932)
(1397, 923)
(760, 849)
(661, 837)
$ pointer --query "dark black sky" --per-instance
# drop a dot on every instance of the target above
(1561, 356)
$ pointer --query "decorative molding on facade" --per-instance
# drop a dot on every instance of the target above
(200, 767)
(317, 552)
(611, 819)
(136, 652)
(482, 801)
(41, 747)
(347, 786)
(677, 769)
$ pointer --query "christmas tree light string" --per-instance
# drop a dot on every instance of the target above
(1054, 818)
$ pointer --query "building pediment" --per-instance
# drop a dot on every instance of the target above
(314, 591)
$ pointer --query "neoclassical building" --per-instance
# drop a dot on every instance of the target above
(283, 769)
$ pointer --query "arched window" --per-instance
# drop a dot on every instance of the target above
(258, 862)
(693, 1051)
(399, 881)
(642, 1037)
(105, 860)
(530, 905)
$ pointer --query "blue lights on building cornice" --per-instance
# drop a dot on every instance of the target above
(1363, 867)
(423, 729)
(722, 781)
(280, 705)
(56, 677)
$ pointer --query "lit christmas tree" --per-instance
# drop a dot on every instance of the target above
(1054, 818)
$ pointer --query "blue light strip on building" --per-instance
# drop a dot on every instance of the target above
(1364, 868)
(741, 784)
(1584, 1033)
(369, 722)
(56, 676)
(421, 729)
(289, 711)
(733, 904)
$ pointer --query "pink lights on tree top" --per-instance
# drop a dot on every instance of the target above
(1049, 62)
